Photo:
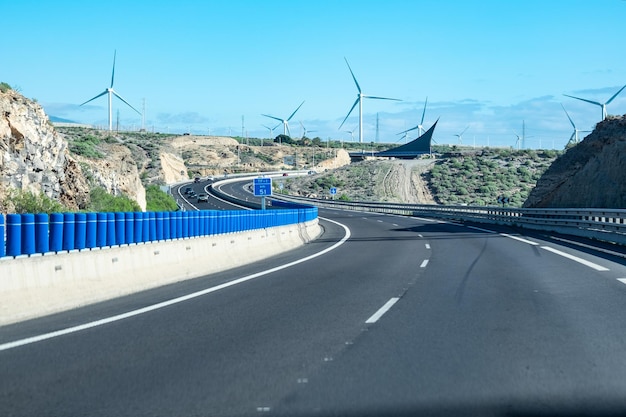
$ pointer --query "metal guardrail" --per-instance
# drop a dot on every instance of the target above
(603, 224)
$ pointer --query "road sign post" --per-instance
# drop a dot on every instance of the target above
(333, 192)
(262, 188)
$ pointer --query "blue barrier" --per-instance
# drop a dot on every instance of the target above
(28, 234)
(56, 232)
(80, 231)
(14, 234)
(68, 231)
(42, 244)
(2, 248)
(130, 227)
(91, 230)
(138, 233)
(101, 230)
(120, 228)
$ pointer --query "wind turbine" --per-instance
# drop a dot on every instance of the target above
(304, 130)
(351, 132)
(575, 134)
(111, 92)
(420, 126)
(285, 122)
(359, 101)
(460, 135)
(603, 105)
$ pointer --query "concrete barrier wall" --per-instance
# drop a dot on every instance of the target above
(38, 285)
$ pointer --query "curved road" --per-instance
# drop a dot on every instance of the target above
(395, 316)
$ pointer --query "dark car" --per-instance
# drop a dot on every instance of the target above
(188, 190)
(203, 198)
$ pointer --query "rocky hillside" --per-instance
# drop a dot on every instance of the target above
(66, 163)
(590, 174)
(33, 157)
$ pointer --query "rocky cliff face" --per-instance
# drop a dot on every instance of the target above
(591, 174)
(33, 157)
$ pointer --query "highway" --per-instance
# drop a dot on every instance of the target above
(382, 315)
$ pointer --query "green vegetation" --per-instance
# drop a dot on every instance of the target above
(4, 87)
(480, 178)
(85, 145)
(105, 202)
(157, 200)
(20, 202)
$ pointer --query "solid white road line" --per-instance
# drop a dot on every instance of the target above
(424, 263)
(480, 229)
(519, 238)
(382, 310)
(576, 259)
(74, 329)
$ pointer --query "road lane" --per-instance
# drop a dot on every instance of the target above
(226, 353)
(497, 325)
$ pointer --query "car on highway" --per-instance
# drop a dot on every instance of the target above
(188, 190)
(203, 198)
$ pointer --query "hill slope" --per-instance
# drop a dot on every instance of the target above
(591, 174)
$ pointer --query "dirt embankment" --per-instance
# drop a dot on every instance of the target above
(397, 181)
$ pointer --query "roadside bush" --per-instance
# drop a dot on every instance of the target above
(102, 201)
(157, 200)
(27, 202)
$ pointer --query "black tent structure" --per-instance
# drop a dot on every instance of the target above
(413, 149)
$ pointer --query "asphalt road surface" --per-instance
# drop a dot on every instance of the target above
(394, 316)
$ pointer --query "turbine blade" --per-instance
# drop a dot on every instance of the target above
(127, 103)
(358, 87)
(465, 130)
(275, 118)
(382, 98)
(352, 108)
(615, 95)
(424, 112)
(567, 114)
(288, 131)
(408, 130)
(572, 137)
(113, 72)
(584, 99)
(98, 96)
(294, 112)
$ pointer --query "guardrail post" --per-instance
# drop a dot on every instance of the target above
(152, 225)
(120, 228)
(91, 230)
(129, 226)
(101, 230)
(166, 225)
(28, 234)
(138, 227)
(159, 225)
(68, 231)
(80, 230)
(14, 234)
(2, 239)
(56, 232)
(110, 222)
(145, 227)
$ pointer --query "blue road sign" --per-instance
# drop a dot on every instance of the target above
(262, 187)
(333, 190)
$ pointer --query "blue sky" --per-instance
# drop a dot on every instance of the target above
(492, 65)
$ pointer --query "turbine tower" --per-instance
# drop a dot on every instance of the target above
(602, 105)
(574, 136)
(420, 126)
(359, 101)
(111, 92)
(285, 122)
